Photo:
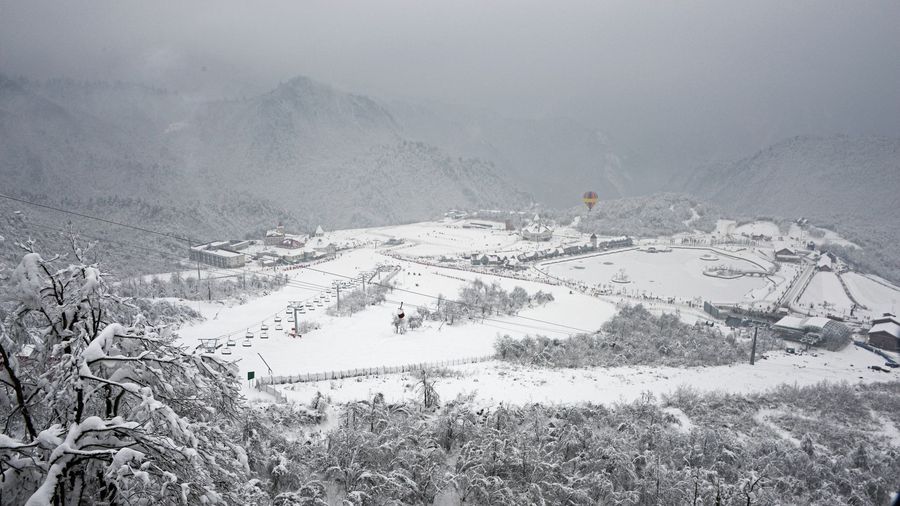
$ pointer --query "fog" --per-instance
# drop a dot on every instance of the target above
(686, 81)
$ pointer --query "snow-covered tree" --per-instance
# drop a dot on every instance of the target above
(103, 410)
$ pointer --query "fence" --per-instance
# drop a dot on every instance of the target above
(365, 371)
(262, 387)
(866, 346)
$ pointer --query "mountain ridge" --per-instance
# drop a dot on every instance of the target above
(842, 182)
(303, 146)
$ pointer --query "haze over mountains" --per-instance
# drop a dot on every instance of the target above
(309, 153)
(334, 157)
(848, 183)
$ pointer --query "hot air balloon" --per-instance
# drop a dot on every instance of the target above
(590, 199)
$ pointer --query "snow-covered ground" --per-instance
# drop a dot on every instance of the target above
(758, 227)
(876, 294)
(367, 338)
(494, 382)
(446, 237)
(825, 293)
(796, 232)
(678, 273)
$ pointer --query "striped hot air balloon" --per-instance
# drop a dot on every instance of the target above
(590, 199)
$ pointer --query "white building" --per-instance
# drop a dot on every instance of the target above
(213, 254)
(275, 235)
(537, 231)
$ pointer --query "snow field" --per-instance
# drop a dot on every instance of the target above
(493, 382)
(758, 227)
(879, 297)
(825, 287)
(435, 238)
(367, 338)
(678, 273)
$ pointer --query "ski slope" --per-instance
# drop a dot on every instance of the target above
(367, 338)
(879, 296)
(825, 292)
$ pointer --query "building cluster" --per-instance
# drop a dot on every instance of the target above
(285, 248)
(514, 260)
(825, 261)
(276, 248)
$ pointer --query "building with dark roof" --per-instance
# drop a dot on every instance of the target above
(885, 333)
(787, 255)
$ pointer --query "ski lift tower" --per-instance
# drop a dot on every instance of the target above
(295, 306)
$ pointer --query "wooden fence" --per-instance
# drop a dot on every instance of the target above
(263, 387)
(265, 381)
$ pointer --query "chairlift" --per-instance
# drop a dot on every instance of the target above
(400, 313)
(226, 351)
(249, 334)
(230, 342)
(247, 343)
(263, 335)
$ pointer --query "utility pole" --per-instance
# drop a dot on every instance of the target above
(198, 261)
(337, 304)
(753, 346)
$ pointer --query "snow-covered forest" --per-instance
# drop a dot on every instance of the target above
(690, 449)
(634, 336)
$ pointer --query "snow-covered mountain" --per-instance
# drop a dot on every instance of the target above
(847, 183)
(53, 149)
(316, 152)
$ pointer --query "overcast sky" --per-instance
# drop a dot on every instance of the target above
(720, 76)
